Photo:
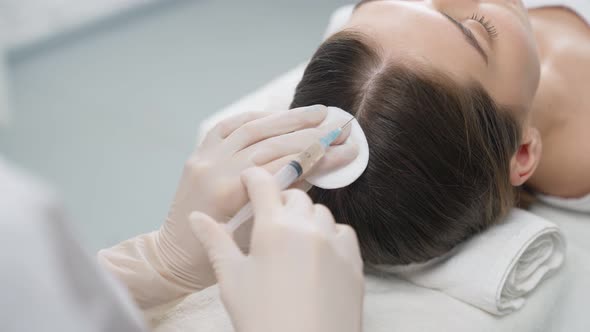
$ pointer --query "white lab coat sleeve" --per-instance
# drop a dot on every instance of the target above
(48, 283)
(136, 263)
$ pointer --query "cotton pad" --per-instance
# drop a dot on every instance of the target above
(345, 175)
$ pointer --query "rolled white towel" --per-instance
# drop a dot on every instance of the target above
(497, 269)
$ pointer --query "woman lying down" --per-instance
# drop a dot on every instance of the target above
(455, 107)
(457, 100)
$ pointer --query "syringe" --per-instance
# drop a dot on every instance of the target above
(296, 169)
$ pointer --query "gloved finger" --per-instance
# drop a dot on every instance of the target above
(264, 193)
(280, 146)
(324, 219)
(217, 242)
(292, 143)
(278, 123)
(297, 200)
(345, 132)
(336, 157)
(348, 246)
(227, 126)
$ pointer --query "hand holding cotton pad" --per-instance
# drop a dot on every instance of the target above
(345, 175)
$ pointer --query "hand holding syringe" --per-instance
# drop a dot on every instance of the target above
(293, 171)
(211, 183)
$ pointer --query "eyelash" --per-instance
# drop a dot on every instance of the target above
(487, 24)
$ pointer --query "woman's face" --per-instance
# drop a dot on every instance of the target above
(489, 41)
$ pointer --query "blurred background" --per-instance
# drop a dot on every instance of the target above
(102, 99)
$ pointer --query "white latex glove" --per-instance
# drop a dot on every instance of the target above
(164, 265)
(211, 179)
(303, 272)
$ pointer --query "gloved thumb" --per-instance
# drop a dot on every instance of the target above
(215, 239)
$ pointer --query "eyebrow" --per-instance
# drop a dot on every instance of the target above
(469, 37)
(466, 32)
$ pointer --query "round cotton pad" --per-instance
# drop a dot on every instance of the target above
(345, 175)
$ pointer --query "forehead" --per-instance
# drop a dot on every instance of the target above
(419, 35)
(415, 35)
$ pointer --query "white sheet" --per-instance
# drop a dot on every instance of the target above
(570, 308)
(390, 305)
(395, 305)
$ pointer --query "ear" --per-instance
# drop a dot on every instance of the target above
(524, 163)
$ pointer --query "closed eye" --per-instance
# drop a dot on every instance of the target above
(490, 28)
(469, 37)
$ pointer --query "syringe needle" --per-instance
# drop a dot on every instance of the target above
(347, 123)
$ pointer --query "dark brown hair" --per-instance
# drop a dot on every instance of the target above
(438, 171)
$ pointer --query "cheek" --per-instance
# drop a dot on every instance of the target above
(524, 64)
(518, 59)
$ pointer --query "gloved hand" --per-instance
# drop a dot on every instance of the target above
(303, 272)
(211, 182)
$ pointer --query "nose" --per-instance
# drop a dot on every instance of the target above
(452, 7)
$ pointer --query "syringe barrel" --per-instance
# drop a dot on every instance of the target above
(285, 177)
(245, 214)
(308, 158)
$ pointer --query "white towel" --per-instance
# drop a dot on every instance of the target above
(581, 204)
(497, 269)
